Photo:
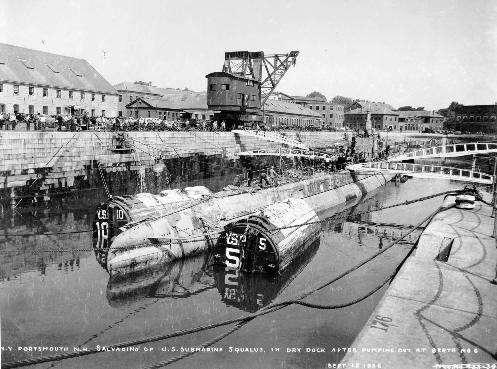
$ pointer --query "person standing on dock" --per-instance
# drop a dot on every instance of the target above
(250, 176)
(273, 175)
(263, 180)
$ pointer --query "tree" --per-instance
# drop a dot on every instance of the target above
(405, 108)
(453, 106)
(420, 108)
(342, 100)
(318, 95)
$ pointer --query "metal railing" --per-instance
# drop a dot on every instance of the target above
(460, 149)
(425, 171)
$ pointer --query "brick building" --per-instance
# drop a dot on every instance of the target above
(420, 120)
(383, 117)
(476, 113)
(333, 114)
(33, 81)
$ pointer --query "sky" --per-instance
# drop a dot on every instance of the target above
(417, 52)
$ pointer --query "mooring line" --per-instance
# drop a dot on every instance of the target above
(268, 309)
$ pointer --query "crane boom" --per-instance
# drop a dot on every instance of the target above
(266, 69)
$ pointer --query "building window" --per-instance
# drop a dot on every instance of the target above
(149, 113)
(250, 82)
(31, 109)
(58, 94)
(92, 98)
(103, 98)
(82, 95)
(120, 98)
(324, 107)
(92, 112)
(58, 110)
(130, 98)
(310, 107)
(1, 87)
(103, 113)
(253, 97)
(70, 95)
(16, 89)
(331, 115)
(45, 92)
(120, 113)
(225, 86)
(31, 90)
(211, 87)
(317, 107)
(45, 110)
(16, 107)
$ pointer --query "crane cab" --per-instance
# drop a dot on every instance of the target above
(237, 98)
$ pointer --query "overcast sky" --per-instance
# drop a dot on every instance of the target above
(419, 52)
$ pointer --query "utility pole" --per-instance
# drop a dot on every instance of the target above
(493, 192)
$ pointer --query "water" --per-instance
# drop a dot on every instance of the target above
(65, 298)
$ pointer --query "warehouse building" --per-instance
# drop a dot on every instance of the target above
(382, 117)
(33, 81)
(332, 114)
(181, 105)
(279, 114)
(131, 91)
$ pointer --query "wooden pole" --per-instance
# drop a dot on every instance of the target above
(493, 191)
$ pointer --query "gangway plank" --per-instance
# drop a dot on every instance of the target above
(448, 151)
(423, 171)
(273, 137)
(289, 154)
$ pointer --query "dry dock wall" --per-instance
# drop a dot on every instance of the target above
(26, 156)
(39, 163)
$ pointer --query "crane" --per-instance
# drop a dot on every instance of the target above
(238, 93)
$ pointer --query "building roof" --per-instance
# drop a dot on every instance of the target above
(309, 99)
(231, 75)
(146, 89)
(284, 107)
(476, 109)
(371, 106)
(180, 101)
(373, 109)
(34, 67)
(418, 113)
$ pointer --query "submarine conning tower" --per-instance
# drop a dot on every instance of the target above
(270, 240)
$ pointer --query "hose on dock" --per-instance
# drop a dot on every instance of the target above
(241, 320)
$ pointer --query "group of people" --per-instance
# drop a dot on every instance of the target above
(267, 178)
(8, 120)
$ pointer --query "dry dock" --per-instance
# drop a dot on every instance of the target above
(438, 311)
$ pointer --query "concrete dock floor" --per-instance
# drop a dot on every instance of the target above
(438, 313)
